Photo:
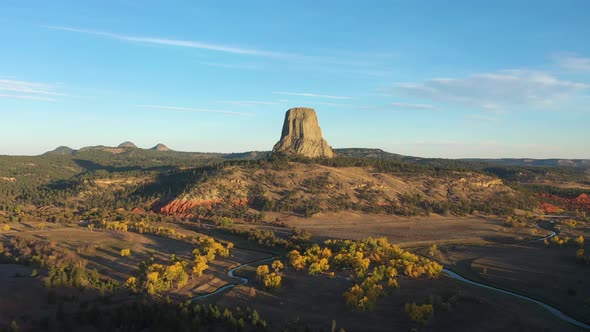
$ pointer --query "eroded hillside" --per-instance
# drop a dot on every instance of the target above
(309, 188)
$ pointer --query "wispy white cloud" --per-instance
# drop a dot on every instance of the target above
(230, 65)
(425, 107)
(325, 103)
(313, 95)
(175, 42)
(365, 64)
(9, 96)
(496, 91)
(574, 62)
(199, 110)
(249, 102)
(16, 89)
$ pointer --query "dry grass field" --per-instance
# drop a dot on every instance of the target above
(479, 248)
(411, 232)
(318, 300)
(548, 274)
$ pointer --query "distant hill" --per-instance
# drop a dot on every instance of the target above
(127, 144)
(160, 147)
(249, 155)
(61, 150)
(367, 153)
(535, 162)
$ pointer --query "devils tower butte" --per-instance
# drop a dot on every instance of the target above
(302, 135)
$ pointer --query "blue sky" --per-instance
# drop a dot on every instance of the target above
(423, 78)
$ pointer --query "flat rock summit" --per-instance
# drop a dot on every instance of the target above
(302, 135)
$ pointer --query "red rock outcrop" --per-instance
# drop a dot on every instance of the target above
(550, 208)
(184, 207)
(582, 202)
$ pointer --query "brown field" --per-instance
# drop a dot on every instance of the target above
(101, 249)
(547, 274)
(411, 232)
(564, 185)
(317, 300)
(479, 248)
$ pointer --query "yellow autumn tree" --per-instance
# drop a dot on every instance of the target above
(277, 266)
(318, 266)
(296, 260)
(132, 284)
(579, 241)
(272, 280)
(175, 275)
(200, 265)
(261, 271)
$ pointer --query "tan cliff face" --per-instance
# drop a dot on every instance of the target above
(302, 135)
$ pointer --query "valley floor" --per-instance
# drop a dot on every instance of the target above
(479, 248)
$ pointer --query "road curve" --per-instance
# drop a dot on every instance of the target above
(554, 311)
(230, 273)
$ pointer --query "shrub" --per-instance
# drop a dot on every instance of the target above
(269, 279)
(581, 258)
(318, 266)
(277, 266)
(571, 223)
(272, 280)
(296, 260)
(433, 250)
(226, 222)
(420, 314)
(261, 271)
(579, 241)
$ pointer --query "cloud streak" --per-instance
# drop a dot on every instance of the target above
(229, 65)
(198, 110)
(174, 42)
(368, 64)
(495, 91)
(312, 95)
(16, 89)
(8, 96)
(424, 107)
(573, 62)
(248, 102)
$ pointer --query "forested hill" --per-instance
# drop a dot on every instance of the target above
(129, 176)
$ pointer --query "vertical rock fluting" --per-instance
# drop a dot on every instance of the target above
(302, 135)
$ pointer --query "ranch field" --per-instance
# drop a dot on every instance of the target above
(411, 232)
(481, 249)
(547, 273)
(458, 307)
